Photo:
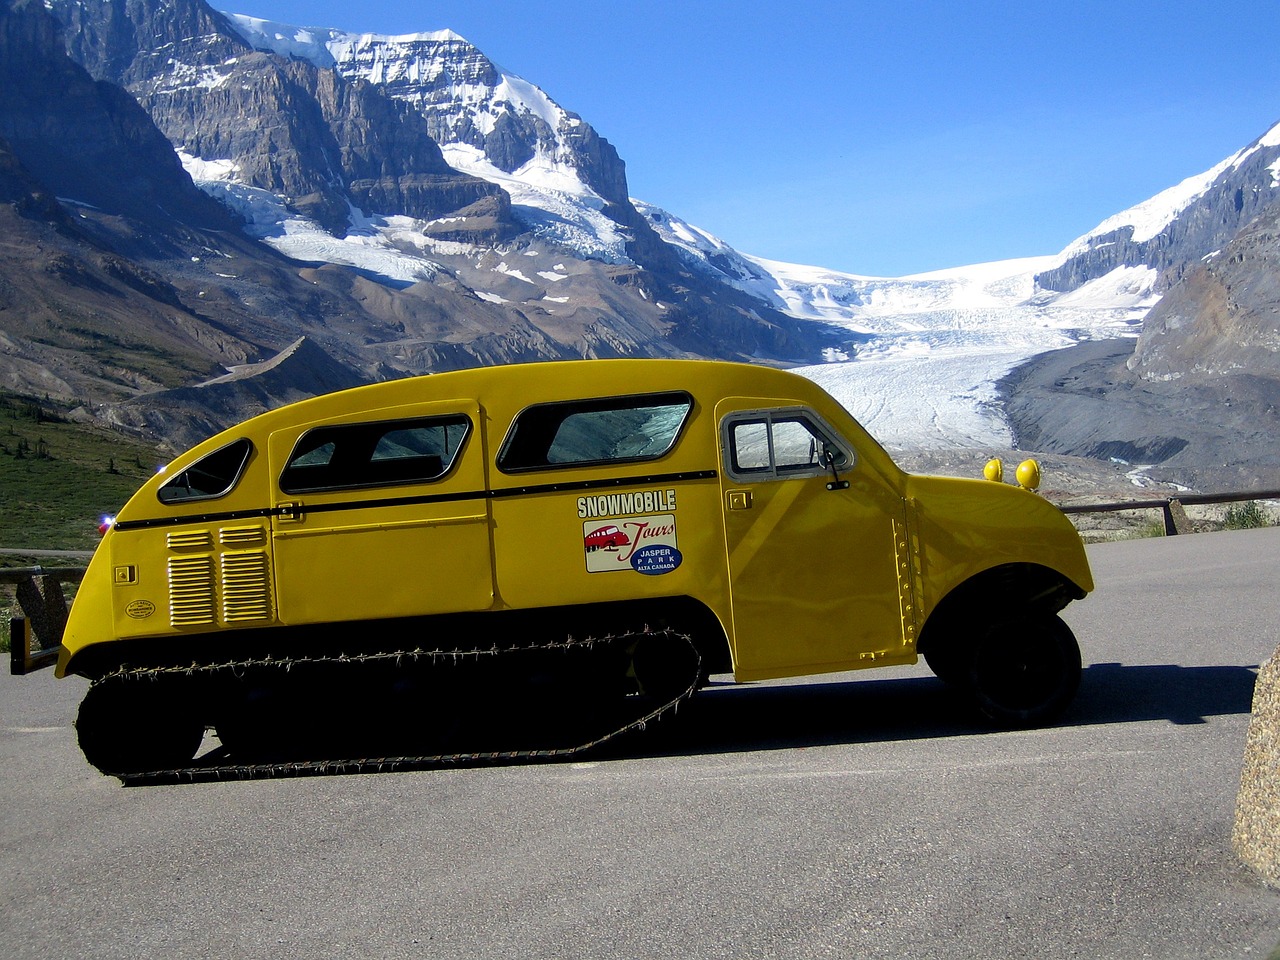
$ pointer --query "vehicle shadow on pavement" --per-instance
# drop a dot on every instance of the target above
(731, 718)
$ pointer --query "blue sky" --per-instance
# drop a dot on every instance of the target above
(882, 137)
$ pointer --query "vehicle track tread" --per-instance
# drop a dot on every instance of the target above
(212, 766)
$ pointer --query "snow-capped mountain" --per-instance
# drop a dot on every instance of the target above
(932, 346)
(567, 184)
(467, 217)
(927, 349)
(504, 129)
(1172, 231)
(542, 257)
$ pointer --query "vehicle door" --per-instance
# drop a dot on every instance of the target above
(382, 513)
(812, 537)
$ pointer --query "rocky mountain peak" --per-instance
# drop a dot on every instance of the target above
(302, 132)
(468, 102)
(125, 288)
(1171, 232)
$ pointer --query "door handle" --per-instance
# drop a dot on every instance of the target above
(289, 512)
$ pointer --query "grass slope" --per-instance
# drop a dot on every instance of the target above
(57, 478)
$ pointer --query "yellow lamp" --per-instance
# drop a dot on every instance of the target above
(1029, 475)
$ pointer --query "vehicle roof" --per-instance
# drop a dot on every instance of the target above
(527, 383)
(504, 390)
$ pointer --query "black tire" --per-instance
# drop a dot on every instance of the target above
(1023, 670)
(137, 727)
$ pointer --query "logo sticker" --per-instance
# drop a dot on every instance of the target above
(646, 544)
(655, 560)
(140, 609)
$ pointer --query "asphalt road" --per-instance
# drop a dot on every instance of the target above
(854, 817)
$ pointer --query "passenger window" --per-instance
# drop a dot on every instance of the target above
(582, 432)
(750, 447)
(778, 444)
(354, 455)
(212, 476)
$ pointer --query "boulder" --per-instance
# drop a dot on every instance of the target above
(1256, 835)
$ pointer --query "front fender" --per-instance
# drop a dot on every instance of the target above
(968, 527)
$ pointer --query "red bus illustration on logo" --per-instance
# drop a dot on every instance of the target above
(605, 538)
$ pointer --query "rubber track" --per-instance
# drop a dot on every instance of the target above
(211, 770)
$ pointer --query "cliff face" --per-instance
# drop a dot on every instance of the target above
(1223, 318)
(467, 100)
(320, 141)
(487, 119)
(85, 141)
(136, 43)
(293, 129)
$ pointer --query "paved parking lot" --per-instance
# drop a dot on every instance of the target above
(855, 816)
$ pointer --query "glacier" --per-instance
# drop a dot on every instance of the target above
(931, 347)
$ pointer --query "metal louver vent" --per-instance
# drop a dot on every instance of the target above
(191, 591)
(190, 540)
(241, 536)
(246, 587)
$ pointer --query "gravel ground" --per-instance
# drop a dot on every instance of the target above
(1216, 433)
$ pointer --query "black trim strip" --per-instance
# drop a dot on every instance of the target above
(604, 484)
(531, 490)
(195, 518)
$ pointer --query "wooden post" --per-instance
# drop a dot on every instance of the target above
(36, 634)
(1175, 519)
(45, 608)
(19, 644)
(22, 659)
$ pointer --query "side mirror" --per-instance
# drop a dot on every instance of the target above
(829, 461)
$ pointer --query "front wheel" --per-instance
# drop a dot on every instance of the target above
(137, 727)
(1023, 670)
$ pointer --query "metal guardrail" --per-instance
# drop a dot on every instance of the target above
(34, 637)
(1175, 517)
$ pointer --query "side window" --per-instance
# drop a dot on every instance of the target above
(374, 454)
(212, 476)
(780, 444)
(582, 432)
